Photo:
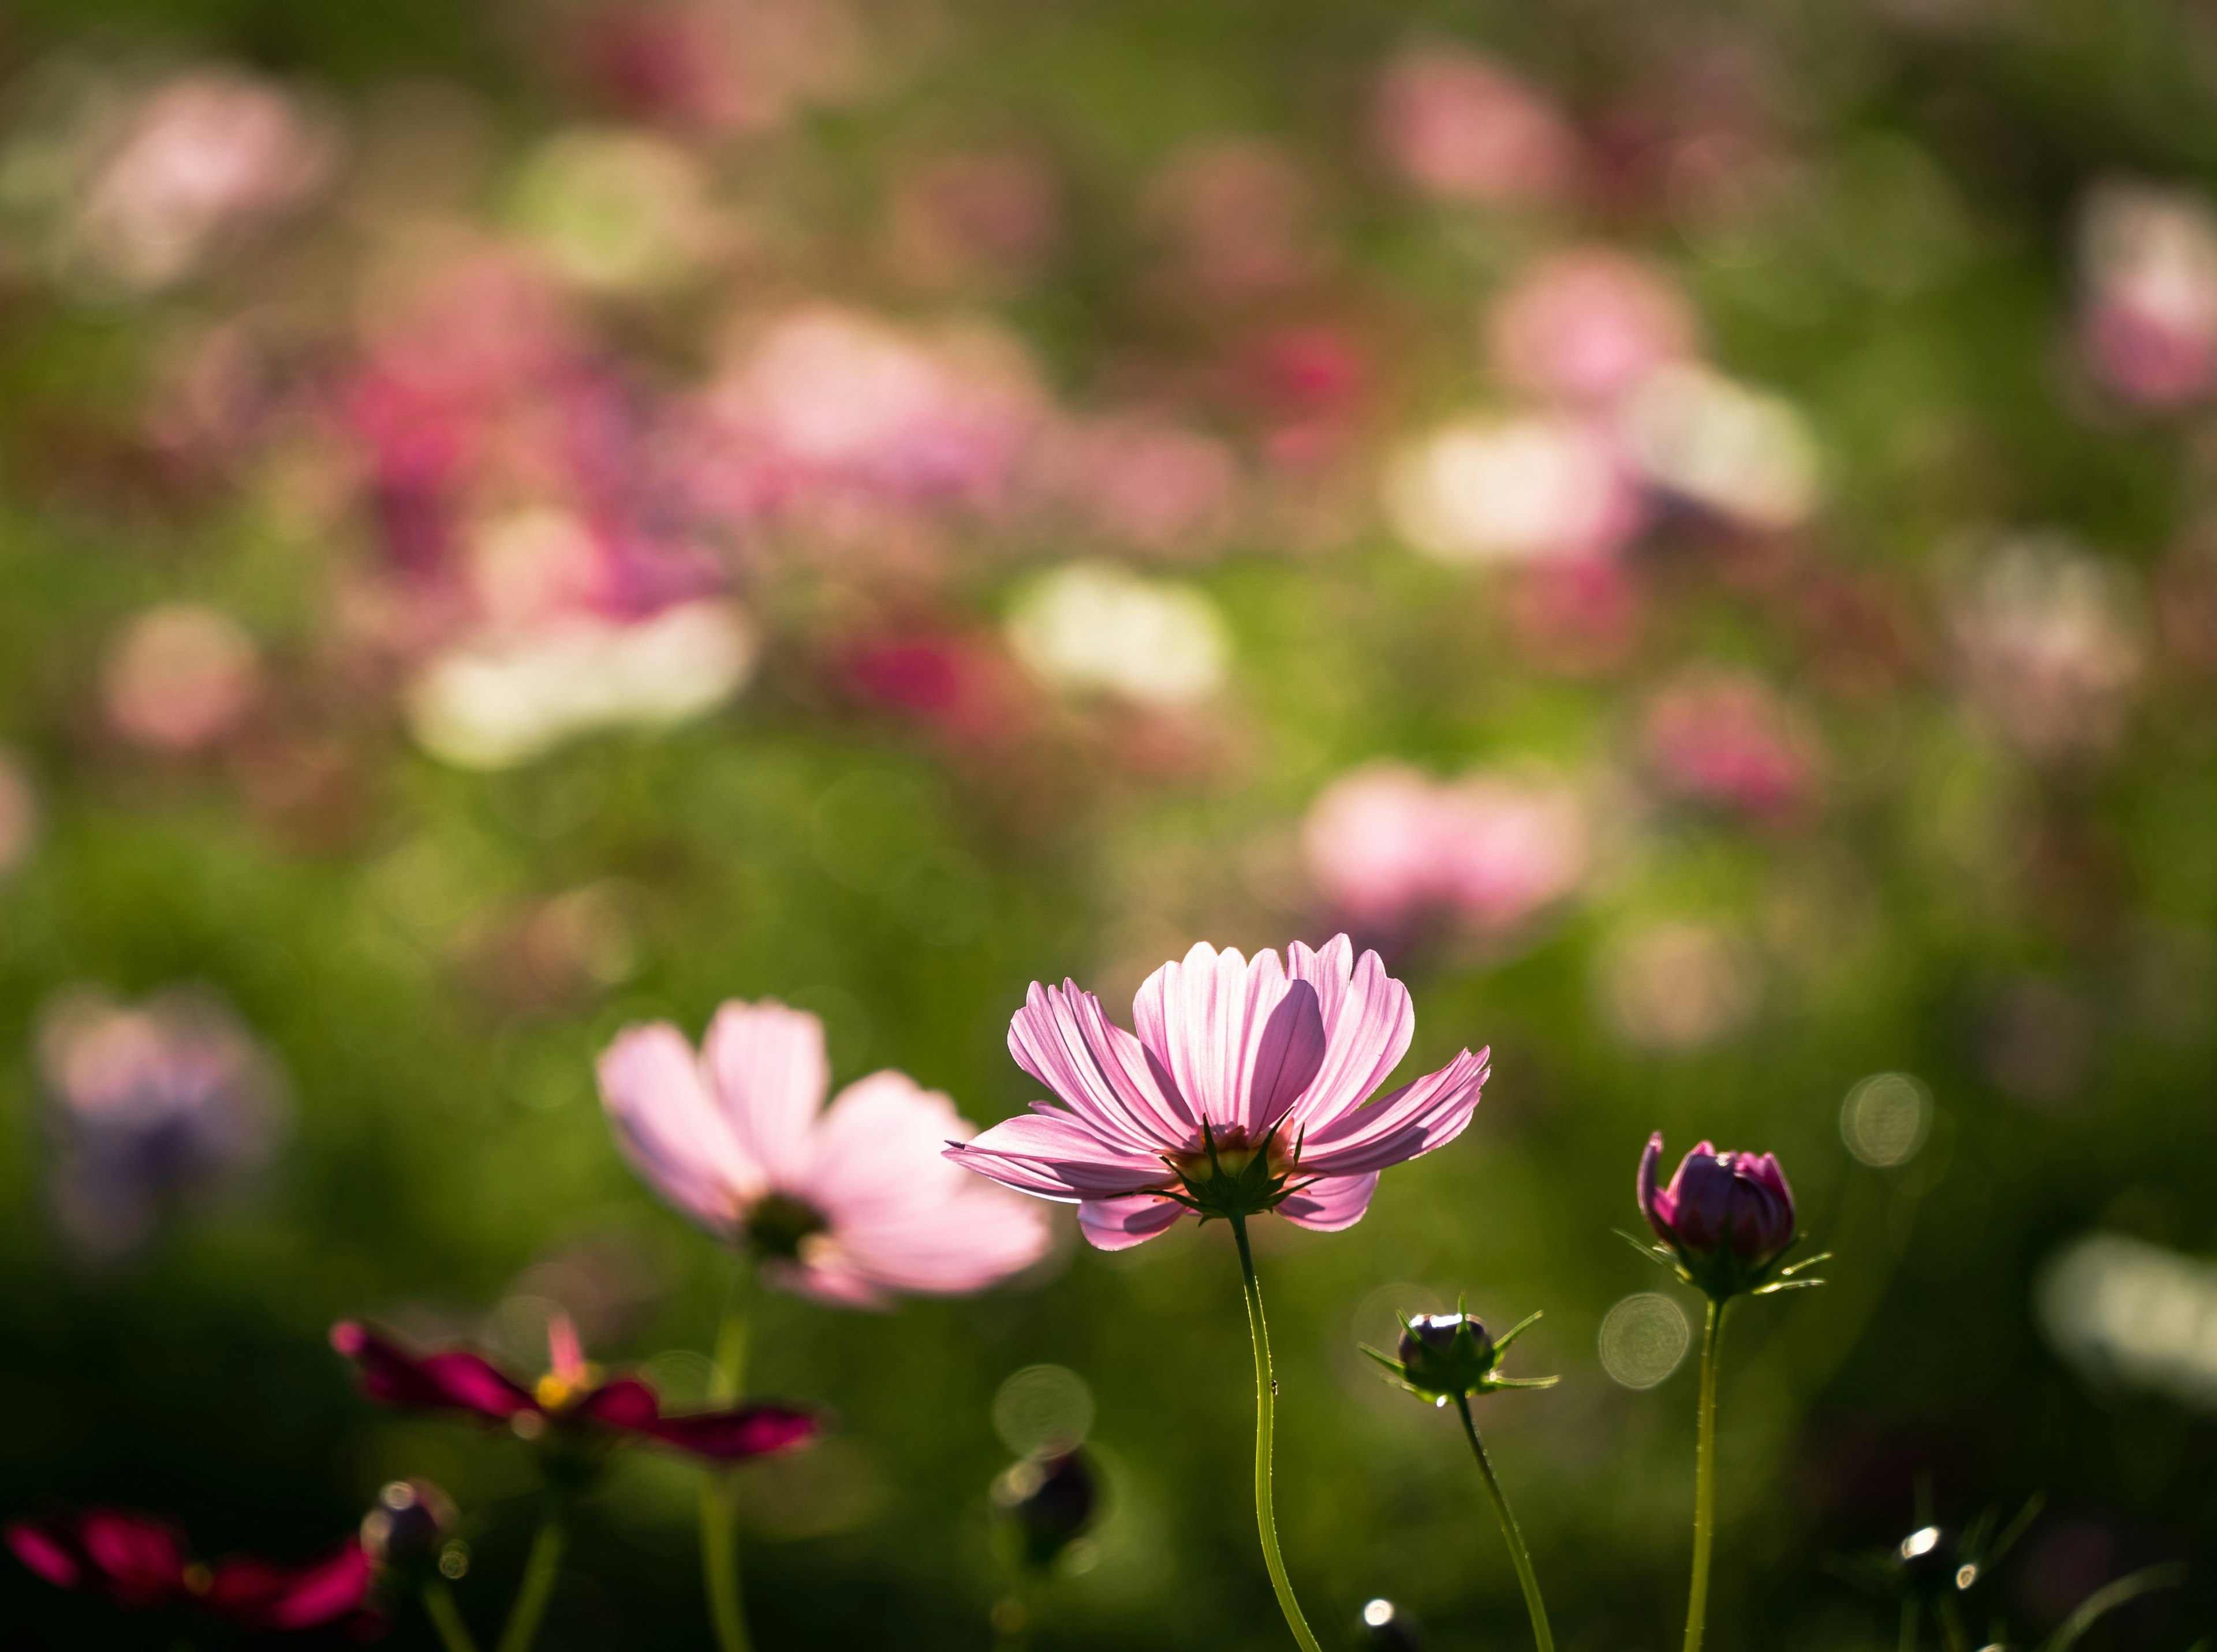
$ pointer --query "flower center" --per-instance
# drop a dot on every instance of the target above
(1228, 1174)
(778, 1225)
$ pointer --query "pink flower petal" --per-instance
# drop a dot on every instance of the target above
(1415, 1119)
(1051, 1154)
(1118, 1224)
(1368, 1022)
(266, 1595)
(1062, 1038)
(1335, 1203)
(770, 1074)
(671, 1129)
(1202, 1019)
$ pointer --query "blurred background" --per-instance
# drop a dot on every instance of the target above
(1690, 527)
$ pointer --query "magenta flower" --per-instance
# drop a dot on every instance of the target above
(1727, 1217)
(1243, 1091)
(849, 1204)
(141, 1562)
(572, 1399)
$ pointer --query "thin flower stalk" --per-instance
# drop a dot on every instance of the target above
(537, 1589)
(720, 1495)
(1519, 1556)
(447, 1618)
(1266, 1390)
(1705, 1477)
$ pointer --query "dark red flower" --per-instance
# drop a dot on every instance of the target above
(140, 1561)
(570, 1397)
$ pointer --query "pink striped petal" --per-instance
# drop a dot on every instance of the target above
(670, 1127)
(1368, 1022)
(1335, 1203)
(1203, 1019)
(1052, 1153)
(1118, 1224)
(1062, 1038)
(1415, 1119)
(768, 1068)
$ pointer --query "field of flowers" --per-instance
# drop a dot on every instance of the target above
(627, 627)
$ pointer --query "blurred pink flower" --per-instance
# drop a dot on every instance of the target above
(2050, 639)
(1308, 385)
(824, 401)
(2147, 319)
(1242, 1093)
(1145, 484)
(964, 686)
(1386, 842)
(1578, 616)
(1726, 739)
(1235, 219)
(206, 155)
(168, 1100)
(1587, 324)
(1459, 126)
(849, 1204)
(180, 677)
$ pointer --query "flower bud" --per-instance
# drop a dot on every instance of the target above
(1447, 1354)
(1728, 1216)
(1046, 1503)
(410, 1523)
(1932, 1562)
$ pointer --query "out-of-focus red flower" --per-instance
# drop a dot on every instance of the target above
(141, 1562)
(572, 1397)
(966, 687)
(1726, 739)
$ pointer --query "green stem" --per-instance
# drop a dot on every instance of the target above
(1518, 1555)
(1908, 1643)
(539, 1574)
(1266, 1391)
(720, 1496)
(445, 1617)
(1705, 1479)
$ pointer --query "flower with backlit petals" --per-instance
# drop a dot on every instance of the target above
(1727, 1218)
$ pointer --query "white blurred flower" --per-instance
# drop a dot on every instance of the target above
(1744, 454)
(2122, 1310)
(615, 211)
(1093, 627)
(2050, 639)
(1492, 489)
(495, 704)
(180, 676)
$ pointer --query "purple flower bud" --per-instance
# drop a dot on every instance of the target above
(1727, 1216)
(410, 1523)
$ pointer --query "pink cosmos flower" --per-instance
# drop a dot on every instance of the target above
(1243, 1091)
(849, 1204)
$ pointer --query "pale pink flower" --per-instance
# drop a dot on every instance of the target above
(1385, 843)
(180, 677)
(849, 1204)
(1587, 324)
(1235, 217)
(1243, 1091)
(1461, 126)
(2147, 322)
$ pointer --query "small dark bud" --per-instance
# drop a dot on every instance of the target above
(410, 1523)
(1388, 1628)
(1047, 1503)
(1446, 1354)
